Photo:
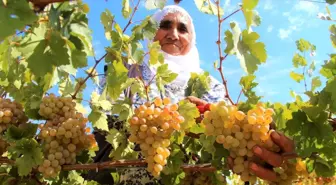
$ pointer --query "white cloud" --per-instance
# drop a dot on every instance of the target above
(308, 7)
(266, 91)
(284, 33)
(268, 5)
(270, 28)
(88, 110)
(229, 72)
(275, 74)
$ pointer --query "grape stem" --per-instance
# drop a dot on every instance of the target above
(221, 57)
(97, 61)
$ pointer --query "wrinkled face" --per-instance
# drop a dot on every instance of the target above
(175, 34)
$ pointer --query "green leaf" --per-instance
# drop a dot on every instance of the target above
(78, 59)
(107, 19)
(15, 15)
(208, 143)
(66, 87)
(116, 76)
(296, 76)
(50, 80)
(332, 30)
(316, 82)
(83, 33)
(324, 168)
(58, 49)
(299, 60)
(190, 112)
(121, 148)
(126, 9)
(256, 19)
(331, 1)
(303, 45)
(250, 53)
(229, 42)
(208, 7)
(164, 76)
(331, 88)
(98, 119)
(99, 102)
(123, 109)
(154, 4)
(154, 53)
(30, 155)
(14, 133)
(37, 61)
(115, 138)
(198, 84)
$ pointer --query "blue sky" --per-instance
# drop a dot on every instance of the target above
(283, 22)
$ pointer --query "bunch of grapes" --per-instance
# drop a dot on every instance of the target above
(63, 137)
(11, 112)
(151, 127)
(200, 178)
(57, 109)
(239, 133)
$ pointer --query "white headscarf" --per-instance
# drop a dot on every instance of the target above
(183, 65)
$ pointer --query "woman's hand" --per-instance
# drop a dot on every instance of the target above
(197, 101)
(274, 159)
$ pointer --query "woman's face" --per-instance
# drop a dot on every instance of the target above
(174, 34)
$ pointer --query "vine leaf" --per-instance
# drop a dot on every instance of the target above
(99, 102)
(296, 76)
(14, 133)
(198, 84)
(208, 143)
(155, 55)
(121, 148)
(107, 19)
(98, 119)
(303, 45)
(164, 76)
(190, 112)
(126, 9)
(299, 60)
(15, 14)
(154, 4)
(123, 109)
(78, 59)
(249, 14)
(208, 7)
(116, 76)
(316, 82)
(30, 155)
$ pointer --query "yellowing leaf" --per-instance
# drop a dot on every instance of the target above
(208, 7)
(154, 4)
(295, 76)
(126, 9)
(299, 60)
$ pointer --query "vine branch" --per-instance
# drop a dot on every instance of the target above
(221, 57)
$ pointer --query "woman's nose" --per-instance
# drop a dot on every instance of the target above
(173, 34)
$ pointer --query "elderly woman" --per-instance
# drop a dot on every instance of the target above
(177, 37)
